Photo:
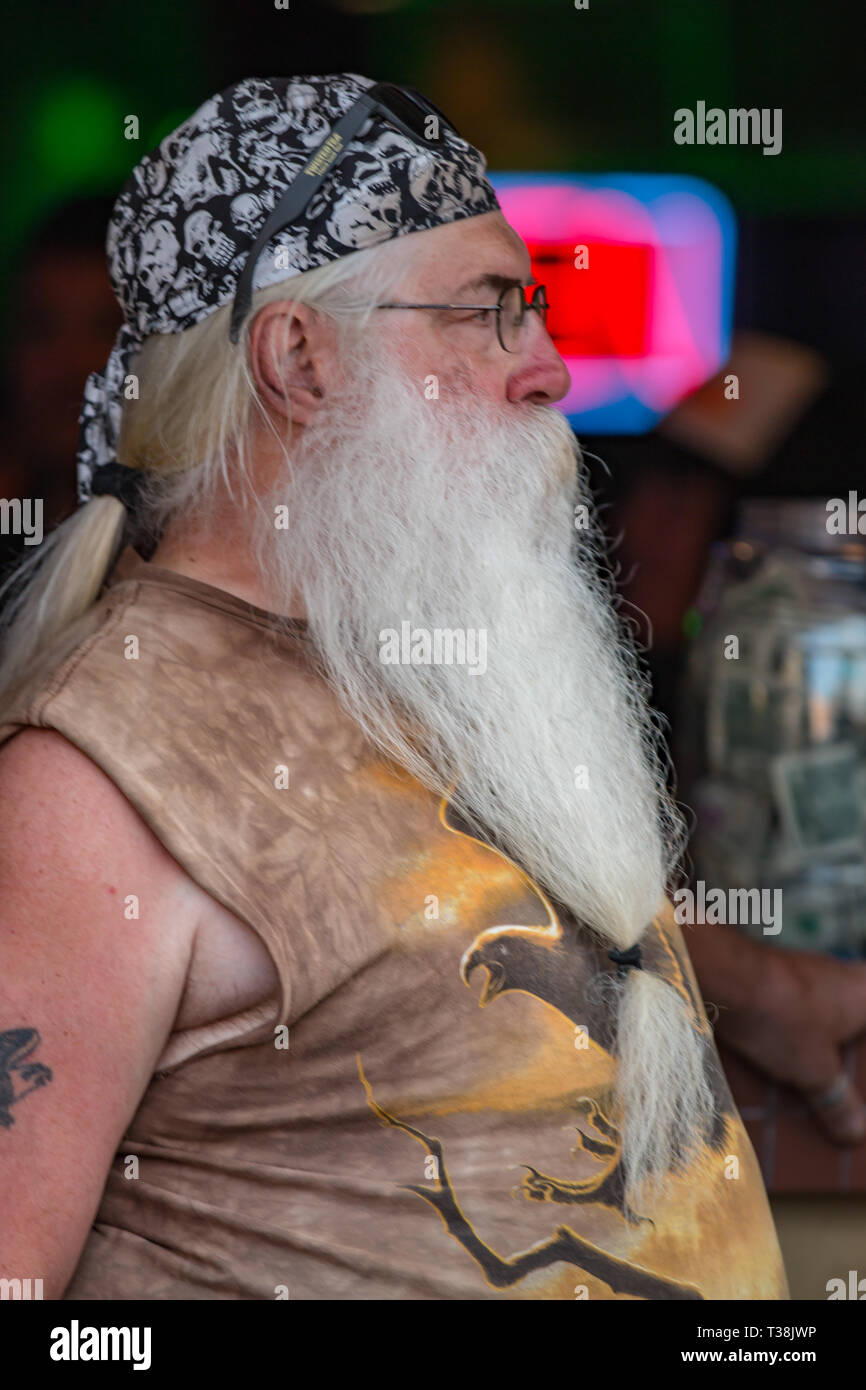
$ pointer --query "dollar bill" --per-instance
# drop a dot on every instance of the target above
(818, 795)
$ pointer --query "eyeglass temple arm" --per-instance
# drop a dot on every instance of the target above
(302, 188)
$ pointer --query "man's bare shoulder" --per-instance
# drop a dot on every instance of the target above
(71, 844)
(55, 800)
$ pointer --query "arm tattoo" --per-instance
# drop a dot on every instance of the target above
(18, 1076)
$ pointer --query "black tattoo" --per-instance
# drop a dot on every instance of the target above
(16, 1045)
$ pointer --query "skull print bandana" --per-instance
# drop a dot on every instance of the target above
(188, 215)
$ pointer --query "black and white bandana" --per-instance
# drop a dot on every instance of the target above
(188, 215)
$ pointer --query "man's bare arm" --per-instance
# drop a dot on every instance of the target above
(789, 1013)
(97, 928)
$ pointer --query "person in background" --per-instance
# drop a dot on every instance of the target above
(796, 422)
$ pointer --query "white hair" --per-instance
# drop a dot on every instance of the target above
(190, 430)
(455, 514)
(447, 513)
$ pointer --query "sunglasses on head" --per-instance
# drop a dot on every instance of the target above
(403, 107)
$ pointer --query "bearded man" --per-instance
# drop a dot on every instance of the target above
(326, 732)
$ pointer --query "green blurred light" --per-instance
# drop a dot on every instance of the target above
(692, 622)
(78, 132)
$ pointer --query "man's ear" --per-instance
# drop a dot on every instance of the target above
(288, 349)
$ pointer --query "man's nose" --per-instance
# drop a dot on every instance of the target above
(540, 376)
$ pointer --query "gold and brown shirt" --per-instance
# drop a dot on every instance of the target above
(425, 1110)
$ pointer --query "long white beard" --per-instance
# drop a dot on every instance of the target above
(450, 514)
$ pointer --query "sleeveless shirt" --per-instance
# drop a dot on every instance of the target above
(426, 1109)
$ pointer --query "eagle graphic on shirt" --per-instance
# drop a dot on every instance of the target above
(557, 962)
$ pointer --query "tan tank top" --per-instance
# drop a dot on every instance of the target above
(425, 1112)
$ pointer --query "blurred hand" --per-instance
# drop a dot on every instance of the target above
(807, 1007)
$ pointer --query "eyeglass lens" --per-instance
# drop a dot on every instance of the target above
(512, 315)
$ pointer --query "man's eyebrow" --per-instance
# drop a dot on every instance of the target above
(492, 282)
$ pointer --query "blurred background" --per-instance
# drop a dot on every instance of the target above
(702, 495)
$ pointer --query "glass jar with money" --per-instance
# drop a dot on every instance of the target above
(771, 747)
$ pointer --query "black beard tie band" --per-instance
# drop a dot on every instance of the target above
(626, 959)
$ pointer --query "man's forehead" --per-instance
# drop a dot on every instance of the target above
(467, 253)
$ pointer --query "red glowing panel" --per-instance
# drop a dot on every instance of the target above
(648, 318)
(599, 294)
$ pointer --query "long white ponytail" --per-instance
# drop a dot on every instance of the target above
(189, 430)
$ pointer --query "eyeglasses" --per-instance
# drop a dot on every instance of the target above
(510, 312)
(403, 107)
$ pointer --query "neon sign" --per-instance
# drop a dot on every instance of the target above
(639, 270)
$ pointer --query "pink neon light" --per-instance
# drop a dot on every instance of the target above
(677, 298)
